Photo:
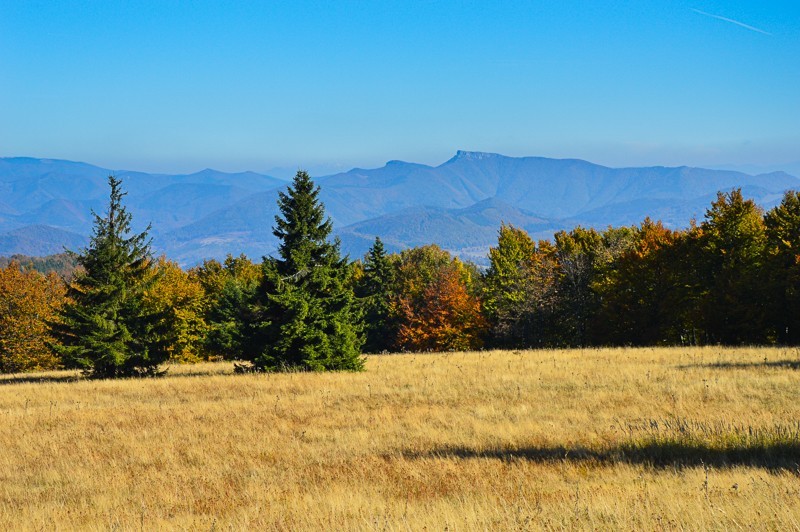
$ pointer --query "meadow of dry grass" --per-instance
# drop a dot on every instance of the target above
(612, 438)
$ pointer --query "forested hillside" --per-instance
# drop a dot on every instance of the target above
(732, 279)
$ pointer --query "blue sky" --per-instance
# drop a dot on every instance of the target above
(179, 86)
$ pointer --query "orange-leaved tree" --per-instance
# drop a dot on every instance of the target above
(29, 302)
(638, 295)
(436, 307)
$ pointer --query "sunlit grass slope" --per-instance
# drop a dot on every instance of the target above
(617, 438)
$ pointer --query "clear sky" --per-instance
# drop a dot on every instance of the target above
(177, 86)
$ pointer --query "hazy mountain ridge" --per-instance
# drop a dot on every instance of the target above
(452, 229)
(41, 240)
(458, 204)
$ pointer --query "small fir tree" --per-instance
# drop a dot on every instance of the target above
(106, 329)
(304, 313)
(376, 289)
(229, 290)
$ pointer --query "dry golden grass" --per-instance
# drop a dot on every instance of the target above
(491, 440)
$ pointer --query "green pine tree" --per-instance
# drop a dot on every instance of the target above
(105, 329)
(304, 312)
(376, 289)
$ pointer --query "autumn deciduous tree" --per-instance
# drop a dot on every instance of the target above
(637, 294)
(447, 318)
(178, 298)
(434, 305)
(520, 290)
(577, 253)
(537, 323)
(507, 284)
(28, 302)
(584, 257)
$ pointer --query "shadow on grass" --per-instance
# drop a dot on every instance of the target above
(778, 457)
(201, 369)
(65, 377)
(780, 364)
(26, 378)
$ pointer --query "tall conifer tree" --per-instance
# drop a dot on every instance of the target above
(304, 312)
(105, 329)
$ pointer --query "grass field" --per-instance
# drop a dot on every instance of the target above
(613, 438)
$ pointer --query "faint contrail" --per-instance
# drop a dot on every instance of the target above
(742, 24)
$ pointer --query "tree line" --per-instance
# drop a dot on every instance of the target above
(733, 278)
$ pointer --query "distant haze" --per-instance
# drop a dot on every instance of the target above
(45, 203)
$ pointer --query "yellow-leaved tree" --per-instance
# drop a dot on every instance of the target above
(29, 302)
(179, 299)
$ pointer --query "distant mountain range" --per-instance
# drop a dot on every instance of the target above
(45, 204)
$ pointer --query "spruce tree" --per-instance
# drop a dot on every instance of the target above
(105, 329)
(304, 313)
(376, 289)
